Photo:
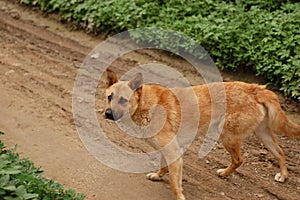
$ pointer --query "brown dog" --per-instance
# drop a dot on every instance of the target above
(250, 108)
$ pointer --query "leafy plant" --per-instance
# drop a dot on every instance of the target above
(261, 35)
(21, 180)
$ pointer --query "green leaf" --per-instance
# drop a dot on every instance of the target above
(9, 188)
(30, 196)
(4, 179)
(12, 171)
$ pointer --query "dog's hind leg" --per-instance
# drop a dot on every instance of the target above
(265, 134)
(232, 145)
(157, 176)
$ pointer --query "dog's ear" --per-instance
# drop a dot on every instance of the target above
(136, 82)
(111, 78)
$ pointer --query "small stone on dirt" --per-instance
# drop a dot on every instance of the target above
(96, 55)
(9, 72)
(15, 15)
(263, 152)
(259, 195)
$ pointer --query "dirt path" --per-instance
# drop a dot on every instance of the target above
(39, 59)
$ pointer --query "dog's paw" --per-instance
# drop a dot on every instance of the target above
(221, 172)
(279, 178)
(153, 177)
(180, 197)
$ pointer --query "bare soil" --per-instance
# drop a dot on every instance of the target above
(39, 60)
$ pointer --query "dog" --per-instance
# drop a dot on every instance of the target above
(250, 109)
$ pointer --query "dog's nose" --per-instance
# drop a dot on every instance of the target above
(109, 114)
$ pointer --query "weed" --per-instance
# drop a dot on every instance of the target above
(261, 35)
(21, 180)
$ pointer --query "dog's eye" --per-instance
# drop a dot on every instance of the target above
(110, 97)
(122, 100)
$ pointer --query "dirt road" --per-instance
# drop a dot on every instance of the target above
(39, 59)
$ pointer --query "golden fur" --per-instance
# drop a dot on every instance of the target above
(250, 109)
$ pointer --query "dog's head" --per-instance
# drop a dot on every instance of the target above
(122, 96)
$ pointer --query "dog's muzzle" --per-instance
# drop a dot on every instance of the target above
(109, 114)
(112, 115)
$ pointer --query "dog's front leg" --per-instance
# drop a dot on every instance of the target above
(172, 154)
(175, 170)
(171, 157)
(157, 176)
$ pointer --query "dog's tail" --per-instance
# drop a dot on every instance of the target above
(278, 121)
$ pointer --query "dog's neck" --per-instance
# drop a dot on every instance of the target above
(158, 106)
(141, 117)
